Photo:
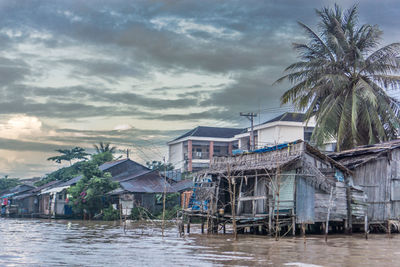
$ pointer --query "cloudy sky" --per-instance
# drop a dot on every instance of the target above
(138, 73)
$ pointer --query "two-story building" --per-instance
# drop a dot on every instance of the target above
(285, 128)
(193, 150)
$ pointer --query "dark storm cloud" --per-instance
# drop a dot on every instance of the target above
(18, 145)
(12, 70)
(117, 137)
(111, 70)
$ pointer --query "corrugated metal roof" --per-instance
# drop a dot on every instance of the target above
(150, 182)
(129, 175)
(183, 185)
(355, 157)
(110, 164)
(72, 181)
(16, 190)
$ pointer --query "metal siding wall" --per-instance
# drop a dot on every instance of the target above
(261, 191)
(305, 201)
(286, 191)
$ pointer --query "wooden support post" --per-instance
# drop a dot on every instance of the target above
(303, 231)
(224, 228)
(366, 226)
(349, 209)
(293, 223)
(389, 225)
(254, 202)
(202, 225)
(188, 225)
(182, 228)
(278, 179)
(327, 216)
(120, 213)
(270, 211)
(239, 204)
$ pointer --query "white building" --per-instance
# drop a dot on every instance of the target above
(193, 150)
(285, 128)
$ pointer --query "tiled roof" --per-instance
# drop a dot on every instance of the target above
(215, 132)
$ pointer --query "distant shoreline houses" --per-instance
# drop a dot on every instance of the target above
(138, 186)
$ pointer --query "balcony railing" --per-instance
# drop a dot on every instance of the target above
(198, 155)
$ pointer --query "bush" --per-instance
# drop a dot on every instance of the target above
(170, 213)
(110, 214)
(141, 213)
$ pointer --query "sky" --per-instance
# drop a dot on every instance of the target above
(137, 74)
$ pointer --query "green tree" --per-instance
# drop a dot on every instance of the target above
(104, 147)
(159, 166)
(342, 80)
(88, 193)
(7, 183)
(69, 155)
(67, 173)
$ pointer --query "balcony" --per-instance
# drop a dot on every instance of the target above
(199, 155)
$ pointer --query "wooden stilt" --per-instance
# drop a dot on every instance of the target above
(327, 216)
(366, 226)
(188, 226)
(202, 225)
(303, 231)
(182, 226)
(389, 225)
(293, 223)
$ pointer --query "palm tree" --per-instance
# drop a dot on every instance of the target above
(69, 155)
(342, 80)
(104, 147)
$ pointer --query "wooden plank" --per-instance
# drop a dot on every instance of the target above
(252, 198)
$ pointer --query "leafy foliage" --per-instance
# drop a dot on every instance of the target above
(104, 147)
(88, 195)
(341, 80)
(159, 166)
(110, 214)
(7, 183)
(69, 155)
(67, 173)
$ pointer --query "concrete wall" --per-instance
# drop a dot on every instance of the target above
(175, 156)
(279, 134)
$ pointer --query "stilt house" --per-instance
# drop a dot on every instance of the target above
(376, 169)
(288, 184)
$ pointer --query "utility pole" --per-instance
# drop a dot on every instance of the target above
(250, 116)
(164, 197)
(125, 151)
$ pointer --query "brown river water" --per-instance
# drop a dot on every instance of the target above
(32, 242)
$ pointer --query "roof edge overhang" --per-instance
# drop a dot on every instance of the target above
(198, 138)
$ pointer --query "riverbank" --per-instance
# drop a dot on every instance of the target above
(35, 242)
